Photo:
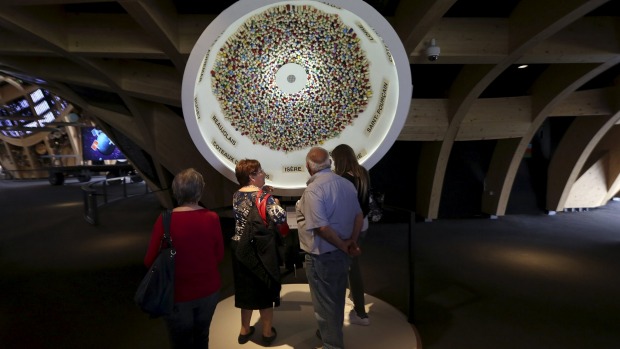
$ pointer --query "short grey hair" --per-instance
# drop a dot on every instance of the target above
(318, 159)
(187, 186)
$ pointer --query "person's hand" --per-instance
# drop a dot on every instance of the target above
(353, 249)
(269, 189)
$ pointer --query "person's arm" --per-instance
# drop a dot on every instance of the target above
(275, 211)
(155, 243)
(357, 226)
(354, 250)
(219, 240)
(330, 235)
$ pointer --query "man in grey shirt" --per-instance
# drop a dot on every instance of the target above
(329, 221)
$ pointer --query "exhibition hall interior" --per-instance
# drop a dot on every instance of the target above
(489, 128)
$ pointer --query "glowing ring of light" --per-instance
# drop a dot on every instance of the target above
(238, 101)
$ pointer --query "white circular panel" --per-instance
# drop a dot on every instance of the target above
(268, 80)
(291, 78)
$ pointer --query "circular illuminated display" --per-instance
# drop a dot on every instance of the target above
(268, 81)
(292, 41)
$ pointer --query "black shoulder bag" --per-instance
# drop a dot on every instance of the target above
(155, 295)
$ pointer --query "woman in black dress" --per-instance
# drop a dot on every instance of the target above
(251, 292)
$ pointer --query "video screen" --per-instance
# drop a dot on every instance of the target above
(96, 146)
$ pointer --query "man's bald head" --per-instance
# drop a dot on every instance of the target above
(317, 160)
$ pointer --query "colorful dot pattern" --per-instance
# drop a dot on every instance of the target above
(243, 77)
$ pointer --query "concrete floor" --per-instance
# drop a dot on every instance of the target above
(521, 281)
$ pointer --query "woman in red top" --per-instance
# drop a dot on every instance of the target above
(197, 237)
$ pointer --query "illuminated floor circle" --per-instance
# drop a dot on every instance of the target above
(296, 326)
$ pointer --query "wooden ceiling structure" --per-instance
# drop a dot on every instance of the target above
(122, 61)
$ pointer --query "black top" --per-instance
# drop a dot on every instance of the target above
(361, 198)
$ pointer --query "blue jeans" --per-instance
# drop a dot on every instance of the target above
(188, 325)
(327, 277)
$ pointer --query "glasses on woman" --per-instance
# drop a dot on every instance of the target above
(259, 171)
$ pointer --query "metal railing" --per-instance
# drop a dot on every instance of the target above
(102, 192)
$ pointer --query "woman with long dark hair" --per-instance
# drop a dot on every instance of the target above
(347, 166)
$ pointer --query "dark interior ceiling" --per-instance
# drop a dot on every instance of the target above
(429, 80)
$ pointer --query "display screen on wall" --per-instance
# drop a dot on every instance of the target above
(96, 146)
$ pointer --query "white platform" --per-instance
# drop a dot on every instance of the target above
(296, 326)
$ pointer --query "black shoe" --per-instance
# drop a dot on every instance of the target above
(269, 340)
(318, 334)
(244, 338)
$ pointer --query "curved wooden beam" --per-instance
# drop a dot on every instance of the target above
(612, 146)
(554, 85)
(414, 19)
(472, 81)
(159, 18)
(569, 158)
(42, 28)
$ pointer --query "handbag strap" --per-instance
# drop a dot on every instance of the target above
(167, 238)
(262, 206)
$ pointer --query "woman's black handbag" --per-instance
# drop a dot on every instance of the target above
(155, 295)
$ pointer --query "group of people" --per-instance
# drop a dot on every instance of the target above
(331, 224)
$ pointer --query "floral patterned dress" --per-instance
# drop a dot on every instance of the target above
(242, 201)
